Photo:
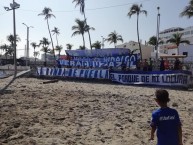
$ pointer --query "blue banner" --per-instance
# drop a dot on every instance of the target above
(99, 52)
(117, 61)
(73, 72)
(118, 58)
(166, 78)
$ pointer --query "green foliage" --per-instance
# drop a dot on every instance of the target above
(97, 45)
(177, 39)
(69, 46)
(80, 3)
(188, 10)
(136, 10)
(153, 41)
(113, 37)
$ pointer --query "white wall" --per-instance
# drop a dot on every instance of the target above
(146, 49)
(172, 51)
(187, 48)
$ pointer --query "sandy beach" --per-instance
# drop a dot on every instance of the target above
(83, 113)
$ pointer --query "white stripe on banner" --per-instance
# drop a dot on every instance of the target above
(73, 72)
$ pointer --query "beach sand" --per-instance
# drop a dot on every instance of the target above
(83, 113)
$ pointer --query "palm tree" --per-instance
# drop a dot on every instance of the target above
(153, 41)
(113, 37)
(59, 49)
(81, 47)
(80, 29)
(177, 39)
(97, 45)
(69, 46)
(81, 3)
(136, 9)
(188, 10)
(10, 38)
(7, 49)
(56, 31)
(36, 53)
(88, 28)
(4, 47)
(34, 45)
(45, 43)
(47, 13)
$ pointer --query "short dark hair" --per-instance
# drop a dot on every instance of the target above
(162, 96)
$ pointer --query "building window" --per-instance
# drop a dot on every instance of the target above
(185, 53)
(187, 33)
(192, 32)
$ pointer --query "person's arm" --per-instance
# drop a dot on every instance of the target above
(153, 129)
(180, 134)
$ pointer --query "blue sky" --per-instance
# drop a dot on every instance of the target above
(104, 15)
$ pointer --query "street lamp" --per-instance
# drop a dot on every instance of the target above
(14, 6)
(27, 52)
(158, 27)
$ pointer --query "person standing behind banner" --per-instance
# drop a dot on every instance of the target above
(58, 63)
(150, 64)
(177, 64)
(145, 65)
(138, 64)
(162, 68)
(166, 64)
(123, 66)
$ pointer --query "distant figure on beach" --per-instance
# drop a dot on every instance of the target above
(177, 64)
(162, 68)
(166, 121)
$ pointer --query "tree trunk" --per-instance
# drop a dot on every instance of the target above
(34, 56)
(88, 32)
(138, 36)
(51, 40)
(57, 39)
(83, 41)
(12, 44)
(45, 60)
(35, 61)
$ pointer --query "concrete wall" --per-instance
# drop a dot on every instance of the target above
(11, 67)
(189, 50)
(146, 49)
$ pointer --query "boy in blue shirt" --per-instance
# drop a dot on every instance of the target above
(166, 121)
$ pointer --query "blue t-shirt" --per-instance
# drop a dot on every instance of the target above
(167, 121)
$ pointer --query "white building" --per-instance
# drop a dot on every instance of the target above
(49, 57)
(187, 33)
(132, 45)
(186, 50)
(171, 49)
